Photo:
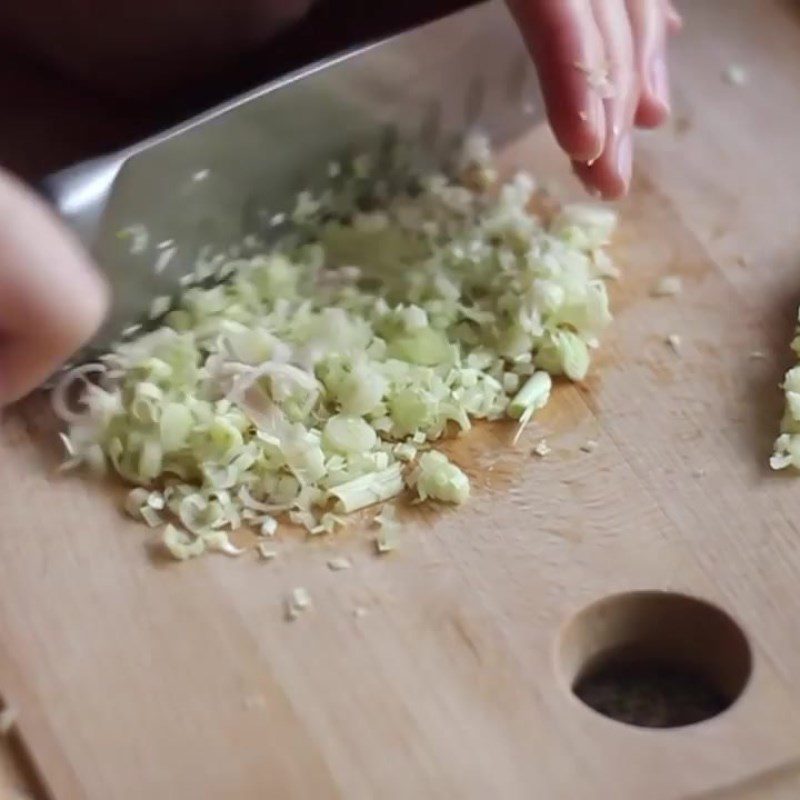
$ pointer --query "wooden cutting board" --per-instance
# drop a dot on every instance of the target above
(136, 677)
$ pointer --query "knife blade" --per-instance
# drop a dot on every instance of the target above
(212, 180)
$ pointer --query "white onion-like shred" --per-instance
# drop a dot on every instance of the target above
(66, 382)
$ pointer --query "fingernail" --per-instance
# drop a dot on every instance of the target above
(591, 122)
(659, 80)
(593, 118)
(625, 158)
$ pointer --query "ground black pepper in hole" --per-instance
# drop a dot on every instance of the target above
(650, 694)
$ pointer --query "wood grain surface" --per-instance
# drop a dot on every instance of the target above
(135, 677)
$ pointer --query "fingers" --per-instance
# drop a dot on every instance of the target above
(566, 46)
(51, 299)
(571, 42)
(648, 22)
(610, 174)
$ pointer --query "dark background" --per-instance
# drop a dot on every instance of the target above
(50, 118)
(332, 26)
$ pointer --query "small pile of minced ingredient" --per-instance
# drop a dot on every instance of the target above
(313, 380)
(786, 450)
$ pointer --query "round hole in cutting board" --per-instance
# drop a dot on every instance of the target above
(655, 659)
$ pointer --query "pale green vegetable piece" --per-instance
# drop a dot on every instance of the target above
(585, 226)
(135, 501)
(564, 352)
(218, 540)
(151, 516)
(531, 397)
(328, 523)
(269, 526)
(182, 546)
(298, 601)
(423, 346)
(388, 538)
(786, 450)
(404, 451)
(360, 391)
(345, 433)
(175, 425)
(437, 478)
(375, 487)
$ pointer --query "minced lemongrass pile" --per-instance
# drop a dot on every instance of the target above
(315, 380)
(786, 451)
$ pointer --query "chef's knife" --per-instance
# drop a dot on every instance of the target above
(210, 181)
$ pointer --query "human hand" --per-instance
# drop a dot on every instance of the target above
(603, 70)
(51, 298)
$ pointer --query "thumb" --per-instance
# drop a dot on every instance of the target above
(51, 298)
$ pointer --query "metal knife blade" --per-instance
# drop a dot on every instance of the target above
(208, 182)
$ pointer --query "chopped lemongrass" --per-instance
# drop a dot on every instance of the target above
(674, 342)
(266, 552)
(339, 563)
(156, 501)
(542, 449)
(392, 313)
(667, 286)
(348, 434)
(386, 541)
(328, 523)
(269, 525)
(151, 516)
(404, 451)
(218, 540)
(786, 450)
(531, 397)
(136, 501)
(437, 478)
(163, 259)
(375, 487)
(180, 545)
(388, 537)
(299, 600)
